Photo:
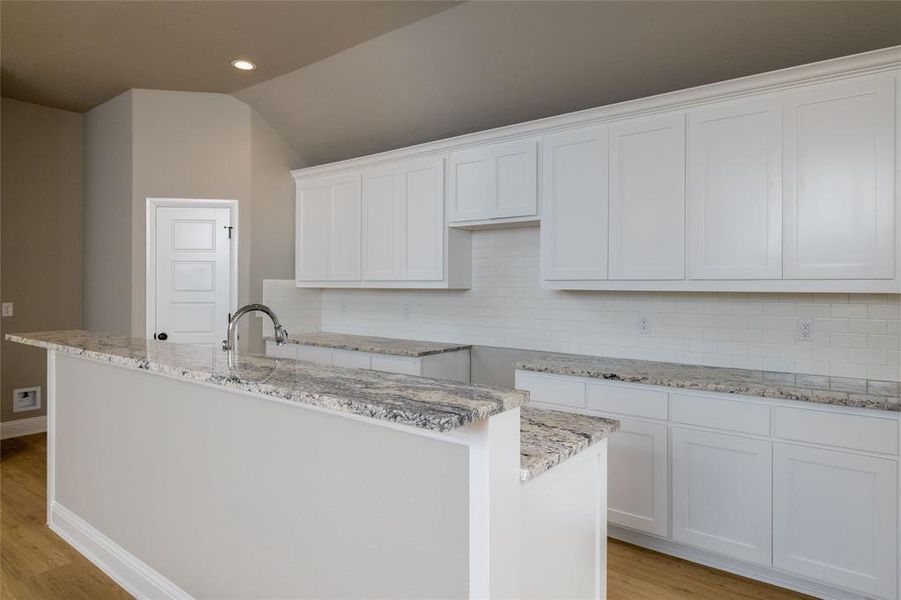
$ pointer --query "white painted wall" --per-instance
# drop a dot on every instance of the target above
(855, 335)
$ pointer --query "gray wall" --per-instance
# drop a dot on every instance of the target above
(152, 143)
(272, 227)
(41, 235)
(107, 216)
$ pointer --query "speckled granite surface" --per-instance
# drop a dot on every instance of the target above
(433, 404)
(376, 345)
(841, 391)
(548, 437)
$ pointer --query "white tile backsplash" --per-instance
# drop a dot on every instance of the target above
(855, 335)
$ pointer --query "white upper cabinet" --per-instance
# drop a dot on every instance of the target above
(575, 204)
(328, 229)
(494, 181)
(422, 219)
(647, 198)
(839, 180)
(403, 221)
(382, 224)
(735, 190)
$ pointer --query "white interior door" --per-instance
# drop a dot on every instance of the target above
(193, 270)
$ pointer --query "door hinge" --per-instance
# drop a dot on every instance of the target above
(229, 227)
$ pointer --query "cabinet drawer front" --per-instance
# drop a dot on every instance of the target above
(283, 351)
(635, 402)
(397, 364)
(721, 413)
(322, 356)
(836, 429)
(550, 389)
(351, 359)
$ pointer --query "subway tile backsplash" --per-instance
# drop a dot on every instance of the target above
(854, 335)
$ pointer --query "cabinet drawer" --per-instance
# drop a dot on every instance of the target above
(720, 413)
(351, 359)
(322, 356)
(635, 402)
(283, 351)
(549, 389)
(835, 429)
(397, 364)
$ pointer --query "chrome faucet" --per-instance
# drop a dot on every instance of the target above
(230, 344)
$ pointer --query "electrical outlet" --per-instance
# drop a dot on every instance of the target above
(805, 330)
(7, 309)
(343, 308)
(406, 313)
(644, 325)
(25, 399)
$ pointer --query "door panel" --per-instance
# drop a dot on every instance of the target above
(835, 518)
(423, 219)
(839, 174)
(381, 224)
(735, 190)
(469, 189)
(313, 214)
(638, 484)
(722, 494)
(574, 220)
(515, 178)
(344, 241)
(192, 274)
(647, 199)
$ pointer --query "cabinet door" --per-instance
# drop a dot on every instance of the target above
(494, 181)
(835, 518)
(647, 198)
(722, 494)
(381, 224)
(638, 488)
(515, 178)
(735, 191)
(312, 225)
(422, 218)
(469, 189)
(345, 230)
(839, 178)
(575, 202)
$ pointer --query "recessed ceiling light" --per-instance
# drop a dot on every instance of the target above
(243, 65)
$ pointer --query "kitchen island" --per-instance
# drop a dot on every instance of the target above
(183, 476)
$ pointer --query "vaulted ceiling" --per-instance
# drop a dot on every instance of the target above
(486, 64)
(344, 78)
(75, 55)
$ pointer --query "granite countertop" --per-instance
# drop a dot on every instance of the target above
(433, 404)
(840, 391)
(376, 345)
(548, 437)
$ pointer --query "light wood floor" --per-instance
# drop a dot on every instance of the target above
(36, 564)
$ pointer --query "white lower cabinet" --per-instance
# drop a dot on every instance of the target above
(445, 365)
(638, 476)
(835, 518)
(722, 493)
(807, 494)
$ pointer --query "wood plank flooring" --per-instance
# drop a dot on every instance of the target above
(36, 564)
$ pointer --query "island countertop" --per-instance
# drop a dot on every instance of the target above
(433, 404)
(373, 344)
(549, 437)
(839, 391)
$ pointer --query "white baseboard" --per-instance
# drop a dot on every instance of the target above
(20, 427)
(128, 571)
(709, 559)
